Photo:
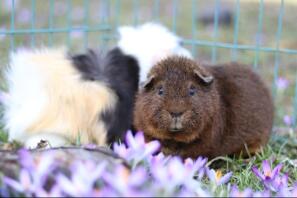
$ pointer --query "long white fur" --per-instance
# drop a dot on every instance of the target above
(149, 43)
(27, 95)
(49, 101)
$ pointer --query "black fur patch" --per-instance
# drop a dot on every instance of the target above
(121, 73)
(89, 65)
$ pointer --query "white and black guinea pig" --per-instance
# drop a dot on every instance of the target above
(60, 98)
(149, 43)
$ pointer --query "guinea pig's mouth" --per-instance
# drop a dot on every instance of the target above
(175, 130)
(176, 126)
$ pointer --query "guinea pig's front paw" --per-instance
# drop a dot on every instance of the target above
(45, 141)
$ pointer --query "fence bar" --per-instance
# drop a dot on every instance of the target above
(12, 24)
(174, 15)
(104, 19)
(117, 14)
(69, 22)
(258, 35)
(156, 10)
(235, 34)
(277, 40)
(135, 12)
(240, 47)
(295, 106)
(86, 21)
(50, 22)
(33, 16)
(56, 30)
(194, 26)
(215, 33)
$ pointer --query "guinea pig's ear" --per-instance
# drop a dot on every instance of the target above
(204, 76)
(148, 83)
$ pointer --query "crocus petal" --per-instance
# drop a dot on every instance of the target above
(130, 140)
(266, 168)
(13, 184)
(199, 163)
(262, 194)
(152, 147)
(139, 138)
(66, 185)
(224, 179)
(211, 174)
(25, 179)
(26, 159)
(276, 170)
(100, 169)
(189, 162)
(280, 183)
(120, 149)
(245, 193)
(201, 173)
(258, 173)
(138, 177)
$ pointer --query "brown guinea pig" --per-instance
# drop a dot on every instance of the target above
(195, 110)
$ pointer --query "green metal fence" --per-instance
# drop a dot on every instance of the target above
(261, 33)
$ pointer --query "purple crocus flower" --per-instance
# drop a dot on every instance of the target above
(286, 192)
(24, 185)
(268, 175)
(216, 176)
(237, 193)
(282, 83)
(121, 150)
(163, 173)
(54, 192)
(138, 143)
(39, 167)
(34, 172)
(288, 120)
(126, 180)
(81, 182)
(137, 149)
(24, 16)
(197, 166)
(159, 158)
(264, 193)
(280, 182)
(172, 174)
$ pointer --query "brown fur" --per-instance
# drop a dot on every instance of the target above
(224, 114)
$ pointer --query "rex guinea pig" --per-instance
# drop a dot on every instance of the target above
(195, 110)
(60, 98)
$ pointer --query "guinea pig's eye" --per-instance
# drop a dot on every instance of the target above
(192, 91)
(160, 91)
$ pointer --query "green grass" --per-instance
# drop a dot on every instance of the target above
(281, 149)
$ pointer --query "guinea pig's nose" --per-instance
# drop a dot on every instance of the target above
(176, 114)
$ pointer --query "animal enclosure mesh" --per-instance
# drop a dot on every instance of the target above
(259, 33)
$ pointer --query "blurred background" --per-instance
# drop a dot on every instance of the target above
(259, 33)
